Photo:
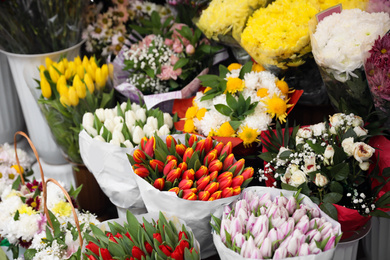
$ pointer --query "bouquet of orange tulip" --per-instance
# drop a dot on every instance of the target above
(69, 90)
(198, 169)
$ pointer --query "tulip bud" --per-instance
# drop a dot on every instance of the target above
(182, 166)
(219, 148)
(48, 62)
(169, 166)
(99, 78)
(202, 171)
(280, 253)
(215, 165)
(170, 141)
(192, 140)
(208, 144)
(331, 243)
(80, 87)
(185, 184)
(225, 182)
(237, 167)
(211, 156)
(212, 187)
(139, 156)
(89, 83)
(227, 192)
(213, 176)
(171, 157)
(142, 172)
(291, 205)
(188, 175)
(202, 182)
(190, 196)
(248, 173)
(236, 190)
(45, 87)
(159, 183)
(150, 146)
(216, 195)
(266, 248)
(227, 149)
(174, 175)
(228, 162)
(54, 75)
(80, 71)
(180, 149)
(154, 163)
(238, 181)
(188, 154)
(200, 146)
(175, 190)
(203, 195)
(143, 141)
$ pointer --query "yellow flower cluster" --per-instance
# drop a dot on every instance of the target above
(72, 79)
(347, 4)
(227, 17)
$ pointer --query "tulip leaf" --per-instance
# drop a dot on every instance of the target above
(235, 124)
(329, 209)
(286, 186)
(133, 226)
(217, 226)
(149, 229)
(187, 254)
(115, 249)
(168, 185)
(246, 183)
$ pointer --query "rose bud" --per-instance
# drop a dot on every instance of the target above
(150, 146)
(238, 181)
(170, 141)
(175, 190)
(227, 149)
(225, 182)
(211, 156)
(203, 195)
(200, 145)
(139, 156)
(213, 176)
(202, 182)
(156, 163)
(229, 160)
(180, 149)
(219, 148)
(215, 165)
(142, 172)
(208, 144)
(212, 187)
(216, 195)
(182, 166)
(188, 175)
(237, 167)
(189, 195)
(227, 192)
(192, 140)
(173, 175)
(236, 190)
(169, 167)
(185, 184)
(202, 171)
(159, 183)
(188, 154)
(143, 142)
(247, 173)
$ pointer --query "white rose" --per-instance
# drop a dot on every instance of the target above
(149, 130)
(320, 180)
(152, 121)
(109, 113)
(88, 119)
(360, 131)
(362, 151)
(141, 114)
(297, 178)
(318, 129)
(128, 144)
(109, 124)
(130, 118)
(99, 138)
(357, 121)
(364, 166)
(293, 168)
(100, 114)
(336, 119)
(164, 130)
(305, 132)
(168, 120)
(310, 164)
(328, 155)
(286, 177)
(138, 134)
(347, 145)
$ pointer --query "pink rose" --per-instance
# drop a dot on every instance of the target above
(167, 73)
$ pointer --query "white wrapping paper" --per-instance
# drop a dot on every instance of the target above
(111, 168)
(195, 213)
(228, 254)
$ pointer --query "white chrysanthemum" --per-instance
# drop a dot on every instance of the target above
(233, 74)
(252, 80)
(211, 120)
(8, 158)
(54, 195)
(25, 228)
(220, 99)
(246, 93)
(259, 121)
(202, 104)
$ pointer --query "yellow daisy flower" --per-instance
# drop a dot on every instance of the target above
(189, 126)
(226, 130)
(234, 84)
(191, 112)
(248, 135)
(234, 66)
(283, 86)
(277, 107)
(262, 92)
(200, 114)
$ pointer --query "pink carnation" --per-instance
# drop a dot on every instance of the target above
(167, 73)
(174, 59)
(177, 46)
(176, 35)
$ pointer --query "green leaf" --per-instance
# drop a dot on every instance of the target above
(115, 249)
(180, 63)
(340, 172)
(285, 186)
(329, 209)
(245, 69)
(315, 200)
(29, 254)
(223, 71)
(223, 109)
(332, 197)
(16, 217)
(16, 183)
(231, 101)
(334, 186)
(235, 124)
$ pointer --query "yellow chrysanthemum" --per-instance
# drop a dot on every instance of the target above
(262, 92)
(283, 86)
(234, 66)
(226, 130)
(347, 4)
(18, 170)
(277, 107)
(189, 126)
(24, 209)
(206, 89)
(62, 208)
(256, 67)
(191, 112)
(200, 114)
(248, 135)
(234, 84)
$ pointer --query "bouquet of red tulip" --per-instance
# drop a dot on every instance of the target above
(155, 239)
(198, 169)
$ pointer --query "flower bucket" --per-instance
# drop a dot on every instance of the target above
(376, 242)
(110, 167)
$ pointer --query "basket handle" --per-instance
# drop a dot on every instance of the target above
(70, 202)
(35, 152)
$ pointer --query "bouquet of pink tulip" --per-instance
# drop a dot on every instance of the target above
(198, 169)
(261, 225)
(155, 239)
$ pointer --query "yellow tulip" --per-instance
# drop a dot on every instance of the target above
(80, 71)
(71, 70)
(73, 98)
(105, 71)
(53, 74)
(66, 62)
(45, 87)
(61, 67)
(99, 79)
(42, 68)
(111, 71)
(91, 71)
(63, 89)
(77, 60)
(65, 101)
(85, 61)
(89, 82)
(48, 62)
(80, 87)
(61, 81)
(92, 62)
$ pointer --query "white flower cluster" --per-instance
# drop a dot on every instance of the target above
(340, 40)
(135, 122)
(259, 119)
